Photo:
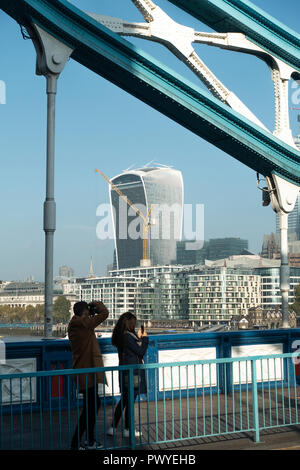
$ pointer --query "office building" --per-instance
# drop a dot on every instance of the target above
(160, 188)
(214, 249)
(220, 248)
(22, 294)
(187, 257)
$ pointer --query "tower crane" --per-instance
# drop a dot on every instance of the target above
(145, 261)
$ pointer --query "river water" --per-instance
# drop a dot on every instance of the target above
(21, 334)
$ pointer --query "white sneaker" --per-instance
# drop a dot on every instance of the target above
(94, 446)
(110, 431)
(136, 433)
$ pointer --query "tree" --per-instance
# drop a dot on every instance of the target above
(61, 310)
(30, 314)
(39, 315)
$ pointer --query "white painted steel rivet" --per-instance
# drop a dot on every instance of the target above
(56, 59)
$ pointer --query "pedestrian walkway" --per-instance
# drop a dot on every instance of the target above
(219, 422)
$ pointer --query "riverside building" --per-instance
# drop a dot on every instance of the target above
(212, 293)
(117, 293)
(164, 297)
(270, 285)
(200, 294)
(215, 295)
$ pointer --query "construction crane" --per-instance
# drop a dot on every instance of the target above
(145, 261)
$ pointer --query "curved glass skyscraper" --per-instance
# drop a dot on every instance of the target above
(144, 187)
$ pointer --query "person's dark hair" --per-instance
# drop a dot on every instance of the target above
(79, 307)
(126, 322)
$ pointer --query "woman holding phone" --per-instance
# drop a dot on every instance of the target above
(131, 347)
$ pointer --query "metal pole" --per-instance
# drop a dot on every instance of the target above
(52, 56)
(49, 205)
(131, 410)
(255, 401)
(284, 269)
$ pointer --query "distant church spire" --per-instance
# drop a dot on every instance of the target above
(91, 273)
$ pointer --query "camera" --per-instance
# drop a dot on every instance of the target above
(93, 309)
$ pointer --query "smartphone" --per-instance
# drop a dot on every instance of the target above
(142, 329)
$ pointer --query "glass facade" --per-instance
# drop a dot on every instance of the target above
(165, 297)
(185, 257)
(214, 249)
(161, 187)
(220, 248)
(270, 285)
(128, 250)
(205, 296)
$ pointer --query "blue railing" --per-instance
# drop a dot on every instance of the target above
(188, 400)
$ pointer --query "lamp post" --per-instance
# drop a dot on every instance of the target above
(52, 56)
(283, 195)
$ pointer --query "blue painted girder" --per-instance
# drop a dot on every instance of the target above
(117, 60)
(242, 16)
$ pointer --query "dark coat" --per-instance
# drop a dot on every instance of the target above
(85, 348)
(132, 352)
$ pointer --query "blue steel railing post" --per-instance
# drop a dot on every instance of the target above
(12, 411)
(255, 401)
(132, 442)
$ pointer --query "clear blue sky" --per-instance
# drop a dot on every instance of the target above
(100, 126)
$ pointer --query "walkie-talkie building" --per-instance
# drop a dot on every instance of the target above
(161, 187)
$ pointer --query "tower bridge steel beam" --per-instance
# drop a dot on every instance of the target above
(161, 28)
(115, 59)
(101, 50)
(242, 16)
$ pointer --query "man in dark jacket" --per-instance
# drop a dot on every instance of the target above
(86, 354)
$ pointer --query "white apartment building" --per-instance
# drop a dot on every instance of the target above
(211, 293)
(148, 272)
(218, 294)
(117, 293)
